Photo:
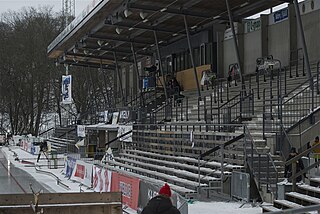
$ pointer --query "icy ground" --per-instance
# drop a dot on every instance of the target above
(50, 183)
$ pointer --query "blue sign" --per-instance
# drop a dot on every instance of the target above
(33, 150)
(71, 162)
(280, 15)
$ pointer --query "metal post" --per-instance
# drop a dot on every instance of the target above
(236, 46)
(160, 66)
(191, 57)
(67, 70)
(137, 72)
(304, 46)
(119, 76)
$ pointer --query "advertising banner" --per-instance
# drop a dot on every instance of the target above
(82, 173)
(69, 166)
(101, 179)
(148, 191)
(129, 187)
(66, 90)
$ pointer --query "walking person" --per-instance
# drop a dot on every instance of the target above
(299, 166)
(316, 151)
(43, 149)
(161, 204)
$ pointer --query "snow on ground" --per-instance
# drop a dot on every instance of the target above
(50, 183)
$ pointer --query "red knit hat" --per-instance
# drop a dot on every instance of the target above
(165, 190)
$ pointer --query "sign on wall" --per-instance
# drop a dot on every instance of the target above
(281, 15)
(253, 25)
(66, 89)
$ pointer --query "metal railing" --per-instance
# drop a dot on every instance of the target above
(296, 59)
(59, 182)
(219, 151)
(261, 165)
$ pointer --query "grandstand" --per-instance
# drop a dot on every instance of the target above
(214, 99)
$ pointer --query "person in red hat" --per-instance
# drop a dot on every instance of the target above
(161, 204)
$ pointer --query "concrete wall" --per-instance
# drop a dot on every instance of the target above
(278, 41)
(229, 55)
(253, 50)
(311, 27)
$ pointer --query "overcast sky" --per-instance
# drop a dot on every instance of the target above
(16, 5)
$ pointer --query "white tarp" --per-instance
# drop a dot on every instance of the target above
(66, 89)
(101, 179)
(81, 131)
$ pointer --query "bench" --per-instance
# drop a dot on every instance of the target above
(303, 197)
(177, 172)
(165, 177)
(287, 204)
(185, 159)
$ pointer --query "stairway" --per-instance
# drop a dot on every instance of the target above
(305, 195)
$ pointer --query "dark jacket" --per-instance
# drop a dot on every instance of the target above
(160, 205)
(288, 168)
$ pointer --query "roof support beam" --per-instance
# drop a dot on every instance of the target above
(155, 8)
(97, 57)
(160, 66)
(107, 67)
(119, 39)
(304, 47)
(119, 50)
(191, 57)
(235, 42)
(165, 17)
(119, 77)
(138, 25)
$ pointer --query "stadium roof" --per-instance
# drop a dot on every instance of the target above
(109, 28)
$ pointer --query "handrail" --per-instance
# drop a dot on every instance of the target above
(201, 156)
(46, 131)
(293, 162)
(67, 132)
(253, 146)
(114, 139)
(56, 177)
(287, 137)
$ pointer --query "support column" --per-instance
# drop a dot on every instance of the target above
(264, 35)
(293, 36)
(160, 66)
(304, 46)
(137, 73)
(191, 56)
(119, 76)
(220, 54)
(235, 43)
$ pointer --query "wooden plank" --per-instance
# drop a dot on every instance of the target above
(56, 198)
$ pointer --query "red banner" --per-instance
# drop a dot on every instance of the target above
(129, 187)
(79, 171)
